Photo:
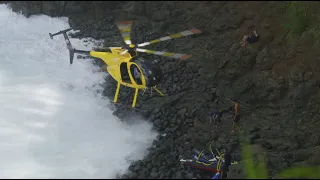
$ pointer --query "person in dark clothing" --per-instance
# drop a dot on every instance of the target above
(137, 75)
(236, 117)
(216, 116)
(227, 163)
(251, 37)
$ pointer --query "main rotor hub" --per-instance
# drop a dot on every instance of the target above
(132, 45)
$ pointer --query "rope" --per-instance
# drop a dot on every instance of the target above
(208, 164)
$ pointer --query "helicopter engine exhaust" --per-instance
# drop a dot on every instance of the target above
(69, 46)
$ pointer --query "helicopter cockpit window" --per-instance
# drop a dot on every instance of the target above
(136, 74)
(124, 73)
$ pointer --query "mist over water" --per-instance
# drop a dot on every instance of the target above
(53, 123)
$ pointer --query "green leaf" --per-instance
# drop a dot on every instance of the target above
(248, 163)
(261, 171)
(252, 172)
(301, 172)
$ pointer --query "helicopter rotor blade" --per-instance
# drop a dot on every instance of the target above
(166, 54)
(106, 48)
(172, 36)
(125, 30)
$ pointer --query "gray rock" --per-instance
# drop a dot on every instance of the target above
(142, 176)
(131, 175)
(154, 175)
(189, 175)
(149, 166)
(178, 175)
(266, 145)
(254, 129)
(252, 137)
(169, 174)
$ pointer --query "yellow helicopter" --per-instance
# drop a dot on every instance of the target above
(124, 65)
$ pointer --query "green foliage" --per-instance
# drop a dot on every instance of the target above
(297, 18)
(314, 33)
(301, 172)
(253, 172)
(259, 171)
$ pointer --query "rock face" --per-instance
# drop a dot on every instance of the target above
(276, 82)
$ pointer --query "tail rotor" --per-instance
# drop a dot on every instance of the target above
(60, 32)
(69, 46)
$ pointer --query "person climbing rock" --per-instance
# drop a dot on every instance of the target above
(216, 116)
(252, 37)
(137, 75)
(236, 117)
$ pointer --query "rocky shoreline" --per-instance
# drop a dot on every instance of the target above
(279, 96)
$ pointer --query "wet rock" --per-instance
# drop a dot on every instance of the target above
(131, 175)
(182, 112)
(254, 129)
(253, 137)
(178, 175)
(189, 176)
(142, 176)
(154, 175)
(264, 143)
(302, 91)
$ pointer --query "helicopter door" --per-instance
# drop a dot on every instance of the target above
(136, 74)
(124, 73)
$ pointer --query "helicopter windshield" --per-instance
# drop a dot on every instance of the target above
(136, 73)
(124, 73)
